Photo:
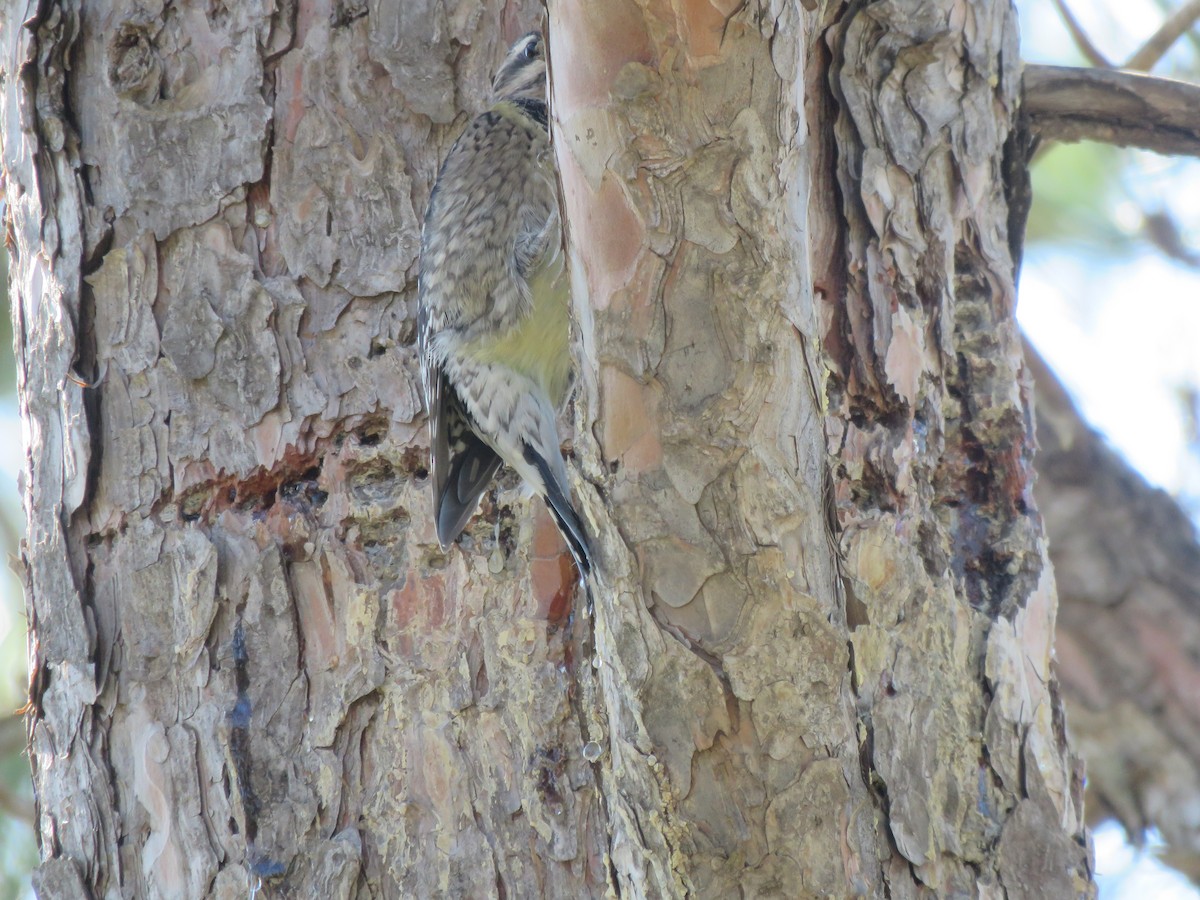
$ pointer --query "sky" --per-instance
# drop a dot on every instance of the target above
(1126, 372)
(1099, 321)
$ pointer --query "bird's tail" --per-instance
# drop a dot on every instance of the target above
(559, 504)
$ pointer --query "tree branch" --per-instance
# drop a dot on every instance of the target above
(1165, 6)
(1175, 27)
(1073, 104)
(1161, 229)
(1082, 41)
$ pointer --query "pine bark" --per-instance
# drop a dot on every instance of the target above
(792, 230)
(819, 656)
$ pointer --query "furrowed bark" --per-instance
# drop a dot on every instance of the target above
(252, 662)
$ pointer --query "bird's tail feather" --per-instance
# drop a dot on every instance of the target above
(559, 504)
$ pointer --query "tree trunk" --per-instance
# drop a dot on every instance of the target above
(1128, 569)
(819, 658)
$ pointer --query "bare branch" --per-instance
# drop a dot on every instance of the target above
(1165, 6)
(1125, 108)
(1162, 40)
(1082, 41)
(1161, 229)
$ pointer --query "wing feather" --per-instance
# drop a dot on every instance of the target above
(463, 468)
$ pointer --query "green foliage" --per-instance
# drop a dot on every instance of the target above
(1076, 195)
(8, 363)
(18, 850)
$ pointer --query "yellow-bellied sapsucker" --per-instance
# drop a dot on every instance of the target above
(493, 327)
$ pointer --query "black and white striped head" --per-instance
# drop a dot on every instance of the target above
(522, 75)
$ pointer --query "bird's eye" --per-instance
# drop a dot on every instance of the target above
(531, 48)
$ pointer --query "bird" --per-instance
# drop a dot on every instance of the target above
(493, 326)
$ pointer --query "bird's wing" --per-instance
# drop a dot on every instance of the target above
(461, 464)
(466, 464)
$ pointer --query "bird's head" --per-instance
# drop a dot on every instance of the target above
(522, 75)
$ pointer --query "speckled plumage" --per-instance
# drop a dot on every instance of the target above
(493, 321)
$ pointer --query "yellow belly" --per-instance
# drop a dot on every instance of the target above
(538, 347)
